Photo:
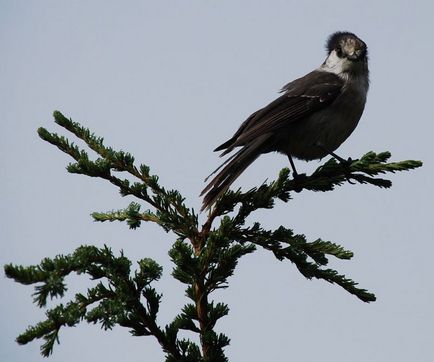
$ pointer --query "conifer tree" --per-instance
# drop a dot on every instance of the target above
(204, 256)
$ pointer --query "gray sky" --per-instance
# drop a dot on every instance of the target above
(169, 81)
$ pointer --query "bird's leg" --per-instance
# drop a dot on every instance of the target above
(294, 171)
(295, 174)
(345, 163)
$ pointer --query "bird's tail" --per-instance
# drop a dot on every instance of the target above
(233, 167)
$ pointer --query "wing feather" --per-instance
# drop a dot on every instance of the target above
(301, 98)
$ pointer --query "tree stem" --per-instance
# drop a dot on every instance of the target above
(201, 298)
(201, 308)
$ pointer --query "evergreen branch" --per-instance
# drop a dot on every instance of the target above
(118, 303)
(60, 142)
(131, 214)
(219, 258)
(325, 178)
(311, 270)
(204, 259)
(95, 143)
(327, 247)
(119, 160)
(175, 216)
(285, 245)
(48, 330)
(171, 211)
(204, 271)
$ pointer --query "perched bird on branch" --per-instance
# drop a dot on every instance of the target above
(311, 119)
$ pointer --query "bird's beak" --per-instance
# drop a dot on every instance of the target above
(353, 56)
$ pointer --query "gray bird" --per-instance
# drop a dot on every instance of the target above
(313, 117)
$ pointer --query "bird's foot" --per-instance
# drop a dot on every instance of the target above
(298, 181)
(346, 166)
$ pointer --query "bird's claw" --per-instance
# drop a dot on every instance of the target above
(297, 178)
(346, 165)
(347, 162)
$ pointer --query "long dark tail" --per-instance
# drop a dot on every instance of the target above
(233, 167)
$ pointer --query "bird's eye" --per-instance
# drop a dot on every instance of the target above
(338, 51)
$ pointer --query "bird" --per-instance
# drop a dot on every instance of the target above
(314, 115)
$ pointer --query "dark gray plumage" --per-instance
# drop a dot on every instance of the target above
(315, 114)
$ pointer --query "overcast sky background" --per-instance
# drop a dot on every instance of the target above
(170, 80)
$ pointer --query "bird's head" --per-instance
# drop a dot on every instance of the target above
(346, 54)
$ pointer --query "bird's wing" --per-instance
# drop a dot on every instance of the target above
(301, 98)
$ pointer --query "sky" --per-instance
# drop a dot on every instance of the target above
(168, 81)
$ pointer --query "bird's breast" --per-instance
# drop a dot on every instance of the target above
(325, 130)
